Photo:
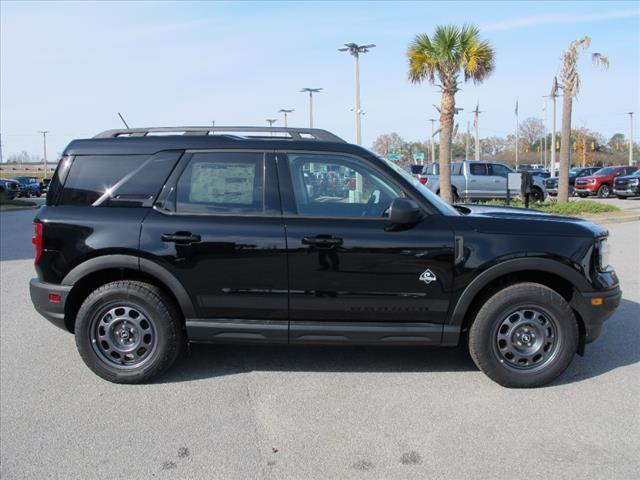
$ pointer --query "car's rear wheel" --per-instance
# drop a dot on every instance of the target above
(524, 336)
(128, 332)
(604, 191)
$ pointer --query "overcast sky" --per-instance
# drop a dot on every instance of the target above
(69, 67)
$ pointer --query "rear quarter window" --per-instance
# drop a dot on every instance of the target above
(116, 180)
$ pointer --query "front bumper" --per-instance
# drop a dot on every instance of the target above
(592, 315)
(41, 297)
(627, 192)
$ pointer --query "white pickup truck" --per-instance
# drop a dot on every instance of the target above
(479, 180)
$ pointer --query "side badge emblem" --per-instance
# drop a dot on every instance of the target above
(427, 276)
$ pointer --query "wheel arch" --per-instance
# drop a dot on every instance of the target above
(559, 277)
(97, 271)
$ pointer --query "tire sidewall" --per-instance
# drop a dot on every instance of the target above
(109, 296)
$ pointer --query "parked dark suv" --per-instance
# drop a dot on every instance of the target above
(578, 172)
(147, 242)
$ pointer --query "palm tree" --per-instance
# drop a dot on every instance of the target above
(443, 57)
(570, 82)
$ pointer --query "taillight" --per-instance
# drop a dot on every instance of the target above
(37, 240)
(423, 180)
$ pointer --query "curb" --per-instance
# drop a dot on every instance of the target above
(604, 221)
(19, 208)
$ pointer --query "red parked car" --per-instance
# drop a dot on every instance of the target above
(601, 182)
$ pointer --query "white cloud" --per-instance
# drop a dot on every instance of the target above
(555, 19)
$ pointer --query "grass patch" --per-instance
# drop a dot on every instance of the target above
(569, 208)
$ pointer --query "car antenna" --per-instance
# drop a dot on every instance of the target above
(123, 121)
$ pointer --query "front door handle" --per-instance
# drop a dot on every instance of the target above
(180, 237)
(322, 241)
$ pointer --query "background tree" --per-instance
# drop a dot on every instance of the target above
(617, 142)
(531, 131)
(570, 82)
(450, 51)
(388, 143)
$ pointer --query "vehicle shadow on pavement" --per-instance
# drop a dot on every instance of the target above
(616, 348)
(207, 361)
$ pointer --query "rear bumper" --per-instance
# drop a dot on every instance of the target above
(594, 316)
(40, 297)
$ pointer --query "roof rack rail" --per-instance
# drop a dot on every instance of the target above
(294, 133)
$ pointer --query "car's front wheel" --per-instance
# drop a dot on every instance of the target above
(604, 191)
(524, 336)
(128, 332)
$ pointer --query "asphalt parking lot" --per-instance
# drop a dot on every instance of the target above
(277, 412)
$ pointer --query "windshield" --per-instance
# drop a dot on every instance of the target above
(442, 206)
(574, 172)
(603, 172)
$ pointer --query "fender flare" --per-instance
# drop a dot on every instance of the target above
(132, 262)
(544, 265)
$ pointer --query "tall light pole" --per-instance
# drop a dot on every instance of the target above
(630, 138)
(271, 121)
(466, 148)
(553, 95)
(355, 50)
(44, 142)
(517, 134)
(285, 112)
(311, 92)
(433, 147)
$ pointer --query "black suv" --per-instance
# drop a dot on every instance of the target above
(149, 241)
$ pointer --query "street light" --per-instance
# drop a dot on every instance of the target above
(311, 92)
(44, 141)
(285, 112)
(355, 50)
(271, 121)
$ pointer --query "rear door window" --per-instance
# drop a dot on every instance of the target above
(478, 169)
(222, 183)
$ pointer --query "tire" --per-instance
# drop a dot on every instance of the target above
(604, 191)
(455, 198)
(521, 312)
(128, 332)
(583, 195)
(537, 195)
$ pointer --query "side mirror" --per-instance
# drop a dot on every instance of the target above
(404, 211)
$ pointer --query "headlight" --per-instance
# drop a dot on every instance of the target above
(633, 181)
(593, 180)
(603, 254)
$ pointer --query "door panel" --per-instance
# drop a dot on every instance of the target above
(221, 234)
(345, 268)
(368, 273)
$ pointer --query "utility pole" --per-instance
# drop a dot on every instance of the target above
(553, 95)
(44, 142)
(476, 113)
(286, 112)
(630, 138)
(355, 50)
(311, 92)
(1, 148)
(433, 147)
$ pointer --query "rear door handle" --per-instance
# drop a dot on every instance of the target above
(180, 237)
(321, 241)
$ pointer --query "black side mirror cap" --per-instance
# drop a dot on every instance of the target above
(404, 211)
